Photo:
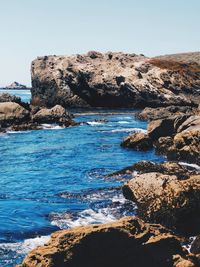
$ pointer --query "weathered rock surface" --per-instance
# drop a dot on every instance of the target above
(57, 114)
(150, 114)
(112, 80)
(138, 141)
(127, 242)
(15, 116)
(12, 112)
(168, 168)
(167, 199)
(185, 144)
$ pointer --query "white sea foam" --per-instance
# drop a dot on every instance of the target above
(123, 122)
(25, 246)
(85, 217)
(127, 130)
(91, 216)
(195, 166)
(47, 126)
(94, 123)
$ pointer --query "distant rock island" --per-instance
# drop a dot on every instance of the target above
(16, 85)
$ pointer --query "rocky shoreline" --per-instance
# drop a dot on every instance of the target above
(167, 194)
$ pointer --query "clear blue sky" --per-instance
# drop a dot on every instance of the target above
(31, 28)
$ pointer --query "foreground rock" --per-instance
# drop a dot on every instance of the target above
(168, 168)
(127, 242)
(167, 199)
(113, 80)
(11, 112)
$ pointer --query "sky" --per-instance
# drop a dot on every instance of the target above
(31, 28)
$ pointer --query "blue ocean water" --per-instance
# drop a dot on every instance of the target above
(24, 94)
(54, 178)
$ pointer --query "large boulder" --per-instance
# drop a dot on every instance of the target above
(167, 199)
(138, 141)
(127, 242)
(112, 80)
(12, 113)
(57, 114)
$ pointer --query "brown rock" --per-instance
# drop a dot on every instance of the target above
(12, 113)
(138, 141)
(169, 168)
(126, 242)
(150, 114)
(111, 80)
(57, 114)
(167, 200)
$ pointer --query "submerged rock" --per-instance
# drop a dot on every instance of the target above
(126, 242)
(167, 199)
(112, 80)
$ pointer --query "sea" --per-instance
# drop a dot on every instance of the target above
(56, 178)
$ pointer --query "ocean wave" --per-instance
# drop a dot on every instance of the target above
(95, 123)
(193, 166)
(47, 126)
(13, 251)
(117, 207)
(126, 130)
(123, 122)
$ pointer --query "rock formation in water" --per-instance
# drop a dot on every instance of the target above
(16, 85)
(113, 80)
(127, 242)
(17, 115)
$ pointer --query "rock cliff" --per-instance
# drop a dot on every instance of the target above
(113, 80)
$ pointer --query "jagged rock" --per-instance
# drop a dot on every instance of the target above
(169, 168)
(57, 114)
(138, 141)
(12, 113)
(150, 114)
(195, 247)
(167, 199)
(185, 145)
(126, 242)
(111, 80)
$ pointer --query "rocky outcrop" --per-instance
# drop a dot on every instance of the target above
(168, 168)
(138, 141)
(167, 199)
(127, 242)
(177, 137)
(112, 80)
(11, 112)
(149, 114)
(15, 116)
(57, 114)
(16, 85)
(184, 144)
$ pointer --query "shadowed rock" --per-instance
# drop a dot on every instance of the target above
(111, 80)
(126, 242)
(166, 199)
